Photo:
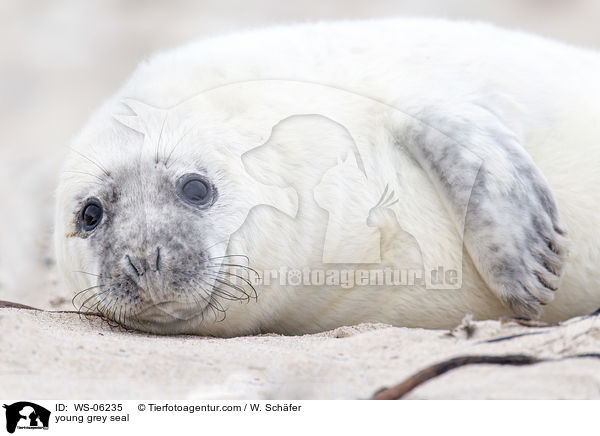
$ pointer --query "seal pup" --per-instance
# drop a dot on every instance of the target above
(188, 203)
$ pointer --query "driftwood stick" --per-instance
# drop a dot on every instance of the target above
(16, 305)
(399, 391)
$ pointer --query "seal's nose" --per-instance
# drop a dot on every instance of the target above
(135, 267)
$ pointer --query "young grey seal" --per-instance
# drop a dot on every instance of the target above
(300, 178)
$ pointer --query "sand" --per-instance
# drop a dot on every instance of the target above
(65, 356)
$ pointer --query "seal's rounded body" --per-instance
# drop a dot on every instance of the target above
(402, 171)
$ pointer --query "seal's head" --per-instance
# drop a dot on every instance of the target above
(144, 220)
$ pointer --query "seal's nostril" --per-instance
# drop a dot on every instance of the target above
(157, 264)
(137, 268)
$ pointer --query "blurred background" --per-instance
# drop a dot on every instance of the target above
(60, 59)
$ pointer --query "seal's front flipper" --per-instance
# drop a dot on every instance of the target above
(492, 187)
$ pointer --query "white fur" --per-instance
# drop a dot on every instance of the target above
(545, 91)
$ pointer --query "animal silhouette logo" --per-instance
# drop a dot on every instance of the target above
(26, 415)
(301, 180)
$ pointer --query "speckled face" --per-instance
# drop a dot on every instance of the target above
(143, 232)
(149, 231)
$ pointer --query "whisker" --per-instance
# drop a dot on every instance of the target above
(86, 173)
(231, 255)
(81, 293)
(214, 302)
(236, 288)
(92, 161)
(175, 146)
(226, 240)
(100, 299)
(214, 288)
(247, 281)
(86, 308)
(88, 273)
(226, 282)
(156, 160)
(236, 266)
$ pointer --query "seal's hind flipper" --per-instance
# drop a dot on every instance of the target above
(512, 230)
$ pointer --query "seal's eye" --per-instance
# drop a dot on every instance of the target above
(91, 215)
(195, 190)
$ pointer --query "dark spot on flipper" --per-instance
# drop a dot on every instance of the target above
(548, 268)
(541, 230)
(512, 222)
(548, 261)
(560, 230)
(544, 283)
(524, 305)
(552, 247)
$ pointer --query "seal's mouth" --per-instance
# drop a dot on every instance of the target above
(169, 302)
(164, 318)
(167, 311)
